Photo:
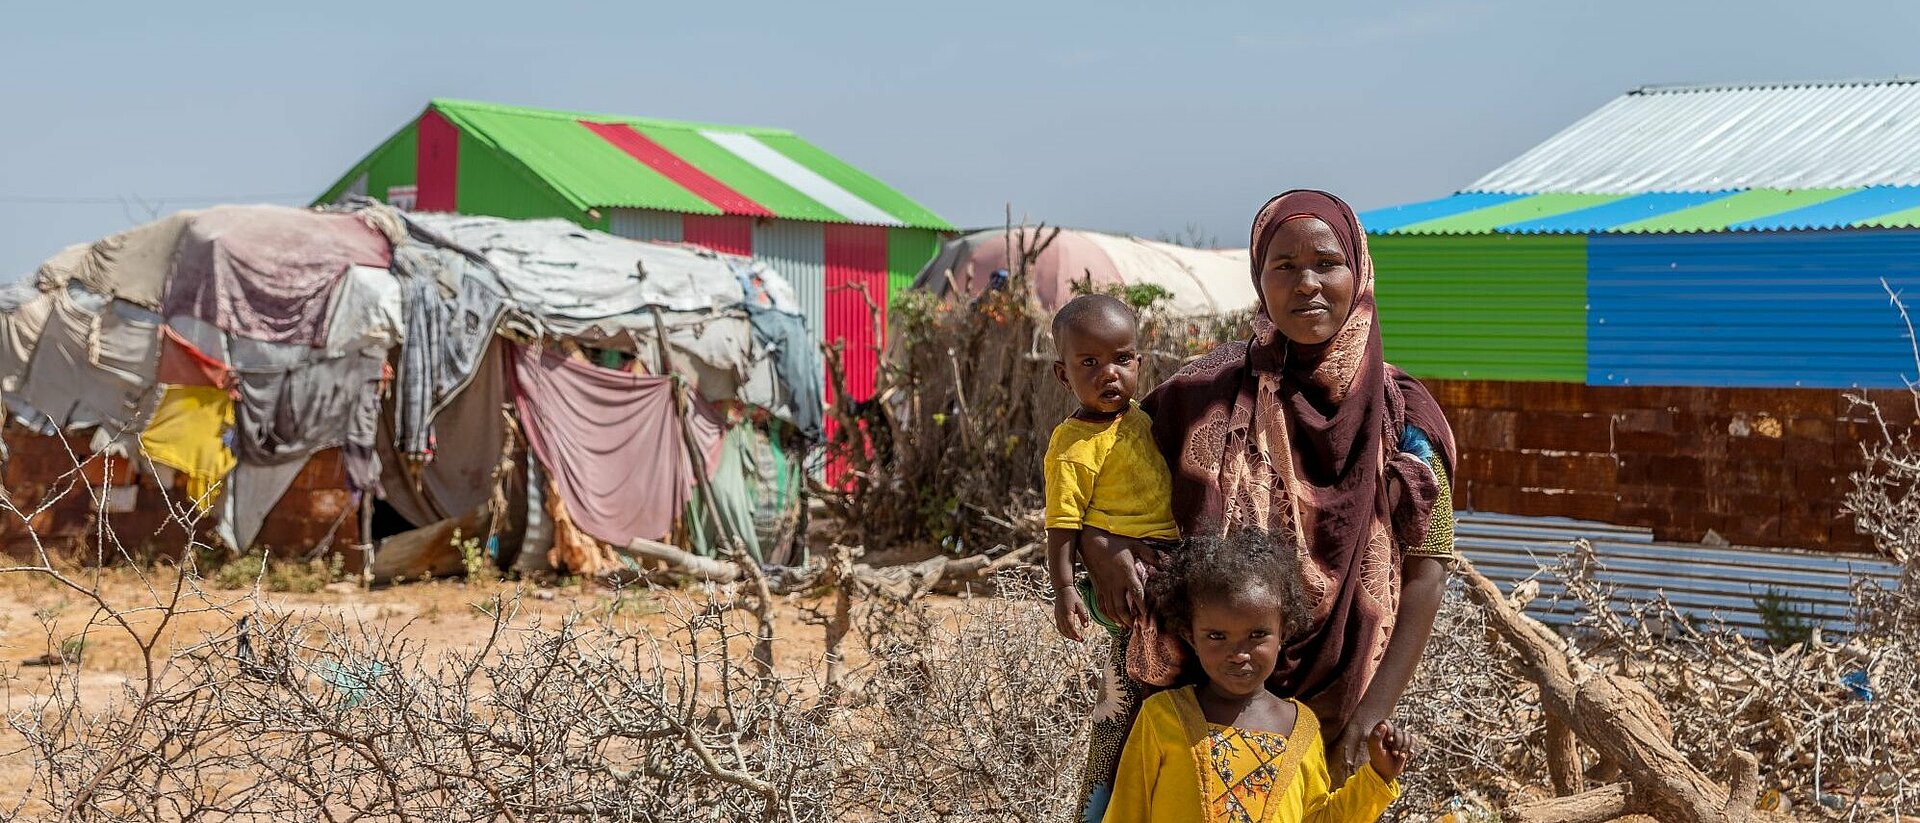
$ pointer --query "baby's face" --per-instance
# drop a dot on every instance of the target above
(1099, 363)
(1238, 641)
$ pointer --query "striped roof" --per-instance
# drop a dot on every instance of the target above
(615, 161)
(1886, 207)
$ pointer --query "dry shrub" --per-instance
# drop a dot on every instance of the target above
(971, 713)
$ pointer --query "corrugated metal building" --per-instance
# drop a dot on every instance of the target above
(828, 227)
(1652, 317)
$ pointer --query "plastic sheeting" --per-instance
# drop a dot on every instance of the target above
(573, 280)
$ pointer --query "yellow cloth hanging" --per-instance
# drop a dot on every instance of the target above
(189, 433)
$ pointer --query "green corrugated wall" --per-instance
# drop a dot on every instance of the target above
(908, 251)
(493, 184)
(1488, 307)
(392, 164)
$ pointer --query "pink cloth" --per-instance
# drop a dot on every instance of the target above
(269, 272)
(611, 441)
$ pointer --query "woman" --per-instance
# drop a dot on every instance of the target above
(1305, 431)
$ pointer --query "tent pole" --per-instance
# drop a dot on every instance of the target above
(366, 538)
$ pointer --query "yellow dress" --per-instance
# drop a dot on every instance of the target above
(1178, 768)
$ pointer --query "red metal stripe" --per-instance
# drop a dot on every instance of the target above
(725, 233)
(856, 258)
(642, 148)
(437, 164)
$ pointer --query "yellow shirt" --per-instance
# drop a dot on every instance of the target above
(1178, 768)
(1109, 475)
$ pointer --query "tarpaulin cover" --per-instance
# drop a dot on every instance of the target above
(572, 278)
(184, 364)
(269, 272)
(451, 304)
(92, 366)
(610, 440)
(21, 322)
(131, 265)
(290, 414)
(460, 477)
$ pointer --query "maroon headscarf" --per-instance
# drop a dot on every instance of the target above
(1303, 441)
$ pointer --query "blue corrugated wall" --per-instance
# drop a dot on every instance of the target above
(1761, 310)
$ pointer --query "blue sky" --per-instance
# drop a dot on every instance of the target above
(1128, 117)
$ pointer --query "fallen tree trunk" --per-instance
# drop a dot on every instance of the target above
(1597, 806)
(1610, 714)
(683, 563)
(937, 574)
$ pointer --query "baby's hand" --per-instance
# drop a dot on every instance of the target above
(1070, 615)
(1388, 749)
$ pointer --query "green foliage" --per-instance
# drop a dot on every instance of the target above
(276, 576)
(1142, 297)
(1786, 619)
(473, 557)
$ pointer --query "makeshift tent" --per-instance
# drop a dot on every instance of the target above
(234, 344)
(1200, 281)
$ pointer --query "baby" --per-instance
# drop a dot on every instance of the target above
(1102, 468)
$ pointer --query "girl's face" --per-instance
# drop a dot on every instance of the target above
(1238, 640)
(1306, 281)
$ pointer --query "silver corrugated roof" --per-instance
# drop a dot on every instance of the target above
(1713, 138)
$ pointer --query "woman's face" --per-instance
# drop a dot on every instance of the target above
(1306, 281)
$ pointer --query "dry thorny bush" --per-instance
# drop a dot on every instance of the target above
(964, 710)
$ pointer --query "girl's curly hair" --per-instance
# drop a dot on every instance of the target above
(1213, 569)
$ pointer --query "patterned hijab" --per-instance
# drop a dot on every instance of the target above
(1302, 441)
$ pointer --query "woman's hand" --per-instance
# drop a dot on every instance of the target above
(1117, 587)
(1349, 749)
(1389, 749)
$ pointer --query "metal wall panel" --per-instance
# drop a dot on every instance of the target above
(1489, 307)
(645, 224)
(856, 262)
(908, 251)
(1761, 310)
(798, 251)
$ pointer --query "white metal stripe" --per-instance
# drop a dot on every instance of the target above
(805, 180)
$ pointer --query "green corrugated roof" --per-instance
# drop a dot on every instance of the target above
(591, 172)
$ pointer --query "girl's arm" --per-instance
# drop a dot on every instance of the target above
(1361, 800)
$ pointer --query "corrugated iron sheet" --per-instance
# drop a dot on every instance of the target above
(1702, 582)
(645, 224)
(908, 251)
(1494, 307)
(856, 258)
(1760, 310)
(797, 251)
(1703, 139)
(1653, 213)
